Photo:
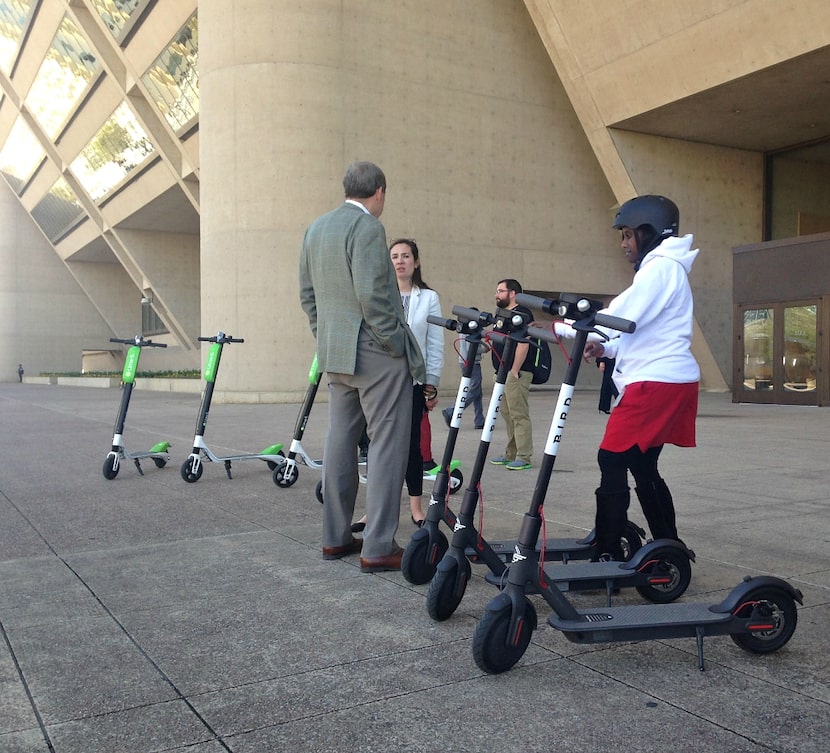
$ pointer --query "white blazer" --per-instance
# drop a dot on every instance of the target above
(430, 337)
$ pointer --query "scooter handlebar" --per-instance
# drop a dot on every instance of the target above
(450, 324)
(221, 337)
(537, 302)
(138, 340)
(542, 333)
(465, 314)
(615, 322)
(574, 305)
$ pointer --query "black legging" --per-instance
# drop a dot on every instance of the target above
(614, 467)
(415, 464)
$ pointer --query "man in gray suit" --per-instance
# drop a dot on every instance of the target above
(349, 292)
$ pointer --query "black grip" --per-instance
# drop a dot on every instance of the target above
(465, 314)
(614, 322)
(236, 340)
(450, 324)
(537, 302)
(154, 345)
(543, 333)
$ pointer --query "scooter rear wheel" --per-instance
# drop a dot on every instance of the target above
(160, 462)
(672, 572)
(767, 606)
(447, 588)
(110, 470)
(493, 650)
(422, 555)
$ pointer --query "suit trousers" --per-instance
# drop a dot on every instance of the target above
(379, 393)
(516, 412)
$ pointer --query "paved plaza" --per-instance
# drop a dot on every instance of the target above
(147, 614)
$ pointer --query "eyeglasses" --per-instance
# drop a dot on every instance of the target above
(502, 290)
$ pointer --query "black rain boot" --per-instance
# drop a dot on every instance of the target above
(658, 508)
(612, 515)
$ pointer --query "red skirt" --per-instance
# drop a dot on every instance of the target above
(651, 414)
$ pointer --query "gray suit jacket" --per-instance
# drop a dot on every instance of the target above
(348, 283)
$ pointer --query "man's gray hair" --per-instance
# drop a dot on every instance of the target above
(362, 180)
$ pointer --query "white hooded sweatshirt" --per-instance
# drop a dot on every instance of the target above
(660, 302)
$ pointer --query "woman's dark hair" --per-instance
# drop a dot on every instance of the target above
(417, 279)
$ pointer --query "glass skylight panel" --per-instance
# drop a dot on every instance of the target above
(14, 17)
(116, 13)
(173, 79)
(63, 77)
(117, 149)
(20, 155)
(58, 210)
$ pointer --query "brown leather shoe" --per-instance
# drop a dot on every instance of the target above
(379, 564)
(336, 552)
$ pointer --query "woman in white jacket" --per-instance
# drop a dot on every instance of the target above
(419, 302)
(655, 372)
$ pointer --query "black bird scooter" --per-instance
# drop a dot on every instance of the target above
(759, 614)
(192, 467)
(660, 570)
(158, 452)
(428, 545)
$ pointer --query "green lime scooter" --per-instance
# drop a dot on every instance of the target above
(287, 474)
(192, 467)
(158, 452)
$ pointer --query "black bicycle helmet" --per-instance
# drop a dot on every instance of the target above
(655, 217)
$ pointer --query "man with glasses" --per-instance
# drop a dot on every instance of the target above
(519, 449)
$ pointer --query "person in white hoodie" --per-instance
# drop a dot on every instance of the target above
(655, 372)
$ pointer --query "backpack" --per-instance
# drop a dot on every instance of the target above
(542, 361)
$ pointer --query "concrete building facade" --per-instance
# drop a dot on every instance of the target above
(162, 160)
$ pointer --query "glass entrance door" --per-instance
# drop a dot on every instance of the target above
(778, 358)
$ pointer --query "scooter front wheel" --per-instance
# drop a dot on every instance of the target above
(422, 555)
(188, 474)
(630, 541)
(669, 573)
(110, 469)
(495, 651)
(285, 477)
(772, 616)
(447, 588)
(456, 480)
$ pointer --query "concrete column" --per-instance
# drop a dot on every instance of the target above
(271, 156)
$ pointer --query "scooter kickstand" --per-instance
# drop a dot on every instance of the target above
(228, 468)
(699, 635)
(138, 466)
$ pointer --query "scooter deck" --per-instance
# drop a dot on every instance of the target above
(642, 622)
(564, 549)
(584, 576)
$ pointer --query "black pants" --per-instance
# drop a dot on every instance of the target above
(415, 464)
(614, 467)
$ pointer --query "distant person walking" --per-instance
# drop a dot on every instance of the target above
(20, 372)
